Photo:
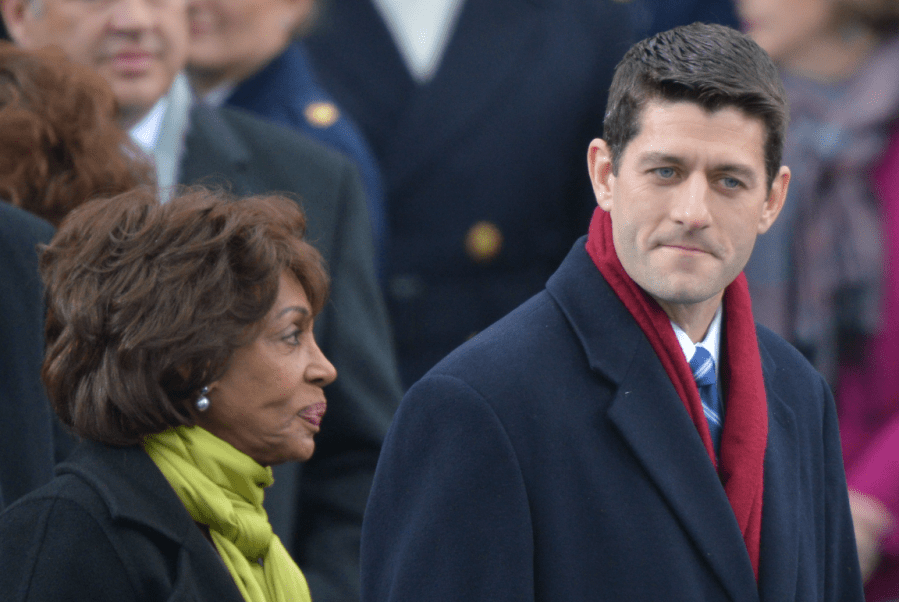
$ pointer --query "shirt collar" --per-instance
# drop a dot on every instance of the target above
(711, 342)
(145, 132)
(218, 95)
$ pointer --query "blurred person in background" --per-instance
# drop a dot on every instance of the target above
(60, 140)
(653, 16)
(60, 145)
(825, 277)
(140, 48)
(27, 450)
(180, 348)
(245, 54)
(477, 112)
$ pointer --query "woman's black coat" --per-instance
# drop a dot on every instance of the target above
(109, 527)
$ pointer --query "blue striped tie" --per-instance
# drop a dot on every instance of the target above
(703, 367)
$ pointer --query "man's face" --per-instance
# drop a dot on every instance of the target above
(689, 200)
(232, 39)
(138, 46)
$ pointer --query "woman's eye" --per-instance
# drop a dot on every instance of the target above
(294, 337)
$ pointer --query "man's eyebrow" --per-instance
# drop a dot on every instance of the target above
(737, 169)
(659, 157)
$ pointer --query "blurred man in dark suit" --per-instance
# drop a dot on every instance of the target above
(475, 111)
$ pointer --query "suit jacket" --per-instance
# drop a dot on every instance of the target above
(316, 508)
(26, 420)
(483, 166)
(109, 528)
(284, 91)
(550, 458)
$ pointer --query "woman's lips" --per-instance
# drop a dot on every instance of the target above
(313, 414)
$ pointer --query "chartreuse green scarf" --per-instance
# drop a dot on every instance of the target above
(222, 487)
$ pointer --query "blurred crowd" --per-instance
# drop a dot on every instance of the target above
(437, 150)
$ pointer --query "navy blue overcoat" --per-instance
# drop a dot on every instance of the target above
(550, 459)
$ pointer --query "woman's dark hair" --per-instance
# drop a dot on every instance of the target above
(60, 142)
(710, 65)
(148, 301)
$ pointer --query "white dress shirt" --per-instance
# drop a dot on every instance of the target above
(421, 30)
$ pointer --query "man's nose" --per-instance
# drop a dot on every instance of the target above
(690, 205)
(132, 15)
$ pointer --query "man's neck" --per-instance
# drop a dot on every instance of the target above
(131, 116)
(693, 318)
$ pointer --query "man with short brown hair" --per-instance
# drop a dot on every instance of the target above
(630, 433)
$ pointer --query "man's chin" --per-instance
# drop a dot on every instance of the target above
(135, 101)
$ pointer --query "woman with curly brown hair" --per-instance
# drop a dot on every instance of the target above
(60, 142)
(180, 348)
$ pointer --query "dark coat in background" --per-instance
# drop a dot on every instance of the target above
(316, 508)
(484, 167)
(654, 16)
(109, 528)
(26, 420)
(550, 458)
(287, 92)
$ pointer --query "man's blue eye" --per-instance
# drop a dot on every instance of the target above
(665, 172)
(730, 182)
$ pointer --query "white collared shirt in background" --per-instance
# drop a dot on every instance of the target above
(145, 132)
(421, 30)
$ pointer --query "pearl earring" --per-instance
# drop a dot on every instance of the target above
(202, 404)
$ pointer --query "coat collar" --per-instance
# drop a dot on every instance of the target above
(136, 492)
(296, 84)
(213, 148)
(493, 41)
(653, 424)
(132, 488)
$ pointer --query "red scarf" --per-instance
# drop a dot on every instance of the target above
(745, 434)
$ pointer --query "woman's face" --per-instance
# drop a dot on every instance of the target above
(784, 28)
(269, 404)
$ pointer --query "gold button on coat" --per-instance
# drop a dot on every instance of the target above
(483, 242)
(321, 114)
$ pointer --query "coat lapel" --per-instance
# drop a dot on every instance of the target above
(214, 153)
(653, 422)
(779, 568)
(491, 43)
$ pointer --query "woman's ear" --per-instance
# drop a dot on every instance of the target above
(599, 164)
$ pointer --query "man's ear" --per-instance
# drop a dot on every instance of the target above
(599, 164)
(776, 198)
(16, 13)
